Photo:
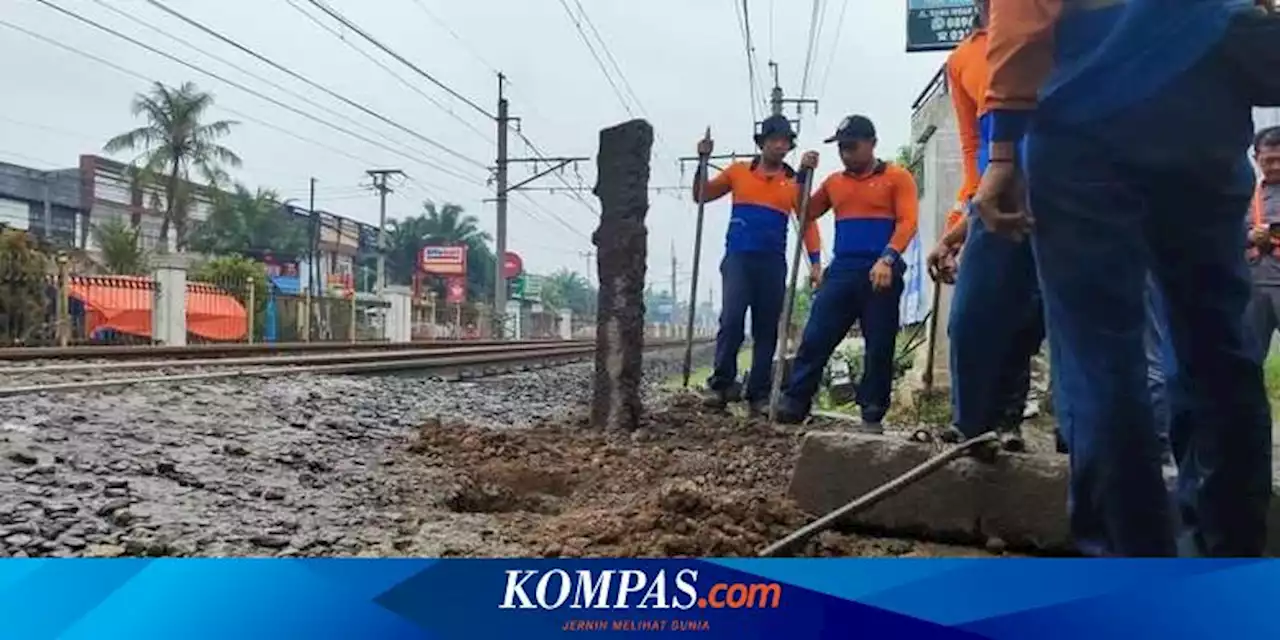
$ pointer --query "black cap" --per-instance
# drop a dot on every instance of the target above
(775, 126)
(854, 128)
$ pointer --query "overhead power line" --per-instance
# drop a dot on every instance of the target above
(301, 78)
(811, 49)
(459, 39)
(274, 85)
(382, 65)
(604, 45)
(134, 74)
(753, 84)
(599, 62)
(401, 59)
(258, 94)
(835, 48)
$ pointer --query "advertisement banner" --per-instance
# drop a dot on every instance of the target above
(443, 260)
(913, 305)
(938, 25)
(455, 290)
(739, 599)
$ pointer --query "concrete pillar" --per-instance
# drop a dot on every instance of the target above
(566, 325)
(169, 307)
(398, 325)
(622, 248)
(512, 327)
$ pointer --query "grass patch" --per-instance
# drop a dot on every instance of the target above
(698, 376)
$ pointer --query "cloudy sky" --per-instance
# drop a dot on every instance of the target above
(683, 67)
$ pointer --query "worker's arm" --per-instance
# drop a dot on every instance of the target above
(966, 109)
(812, 236)
(955, 234)
(906, 211)
(1020, 57)
(717, 187)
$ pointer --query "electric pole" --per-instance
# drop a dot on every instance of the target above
(315, 240)
(503, 191)
(499, 278)
(380, 185)
(674, 267)
(777, 99)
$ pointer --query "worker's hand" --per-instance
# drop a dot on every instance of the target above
(1001, 201)
(1259, 236)
(942, 263)
(809, 160)
(706, 146)
(881, 275)
(815, 275)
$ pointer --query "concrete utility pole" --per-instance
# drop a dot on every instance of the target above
(503, 191)
(380, 184)
(674, 265)
(777, 99)
(499, 279)
(315, 239)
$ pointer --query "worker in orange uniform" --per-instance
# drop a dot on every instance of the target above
(1137, 119)
(997, 289)
(765, 193)
(1263, 253)
(877, 211)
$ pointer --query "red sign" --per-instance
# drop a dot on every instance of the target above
(443, 261)
(455, 290)
(512, 265)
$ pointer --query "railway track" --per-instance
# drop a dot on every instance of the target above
(467, 361)
(205, 351)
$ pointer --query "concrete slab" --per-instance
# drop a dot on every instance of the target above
(1020, 499)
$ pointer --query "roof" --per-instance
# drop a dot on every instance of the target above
(124, 303)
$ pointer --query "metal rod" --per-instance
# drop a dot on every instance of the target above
(873, 497)
(703, 160)
(784, 323)
(927, 378)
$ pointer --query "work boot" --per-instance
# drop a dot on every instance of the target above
(952, 435)
(1059, 443)
(720, 398)
(789, 413)
(758, 409)
(870, 428)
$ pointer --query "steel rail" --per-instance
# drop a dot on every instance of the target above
(434, 362)
(18, 354)
(274, 361)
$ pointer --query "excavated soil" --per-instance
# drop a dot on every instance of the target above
(688, 484)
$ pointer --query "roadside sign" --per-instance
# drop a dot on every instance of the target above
(443, 260)
(512, 265)
(938, 25)
(455, 290)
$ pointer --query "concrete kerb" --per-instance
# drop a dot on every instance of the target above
(1020, 498)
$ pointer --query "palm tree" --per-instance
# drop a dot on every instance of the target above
(248, 222)
(567, 289)
(173, 142)
(118, 242)
(445, 225)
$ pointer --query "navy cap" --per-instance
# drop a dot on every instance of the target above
(854, 128)
(775, 126)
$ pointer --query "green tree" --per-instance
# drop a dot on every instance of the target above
(245, 222)
(122, 254)
(174, 141)
(23, 288)
(567, 289)
(908, 160)
(447, 224)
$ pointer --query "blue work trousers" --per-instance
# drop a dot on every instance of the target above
(754, 281)
(846, 297)
(996, 327)
(1161, 363)
(1113, 199)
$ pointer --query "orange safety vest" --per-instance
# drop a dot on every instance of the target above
(1253, 253)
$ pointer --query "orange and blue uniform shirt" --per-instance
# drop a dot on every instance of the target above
(877, 213)
(762, 202)
(1073, 61)
(967, 78)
